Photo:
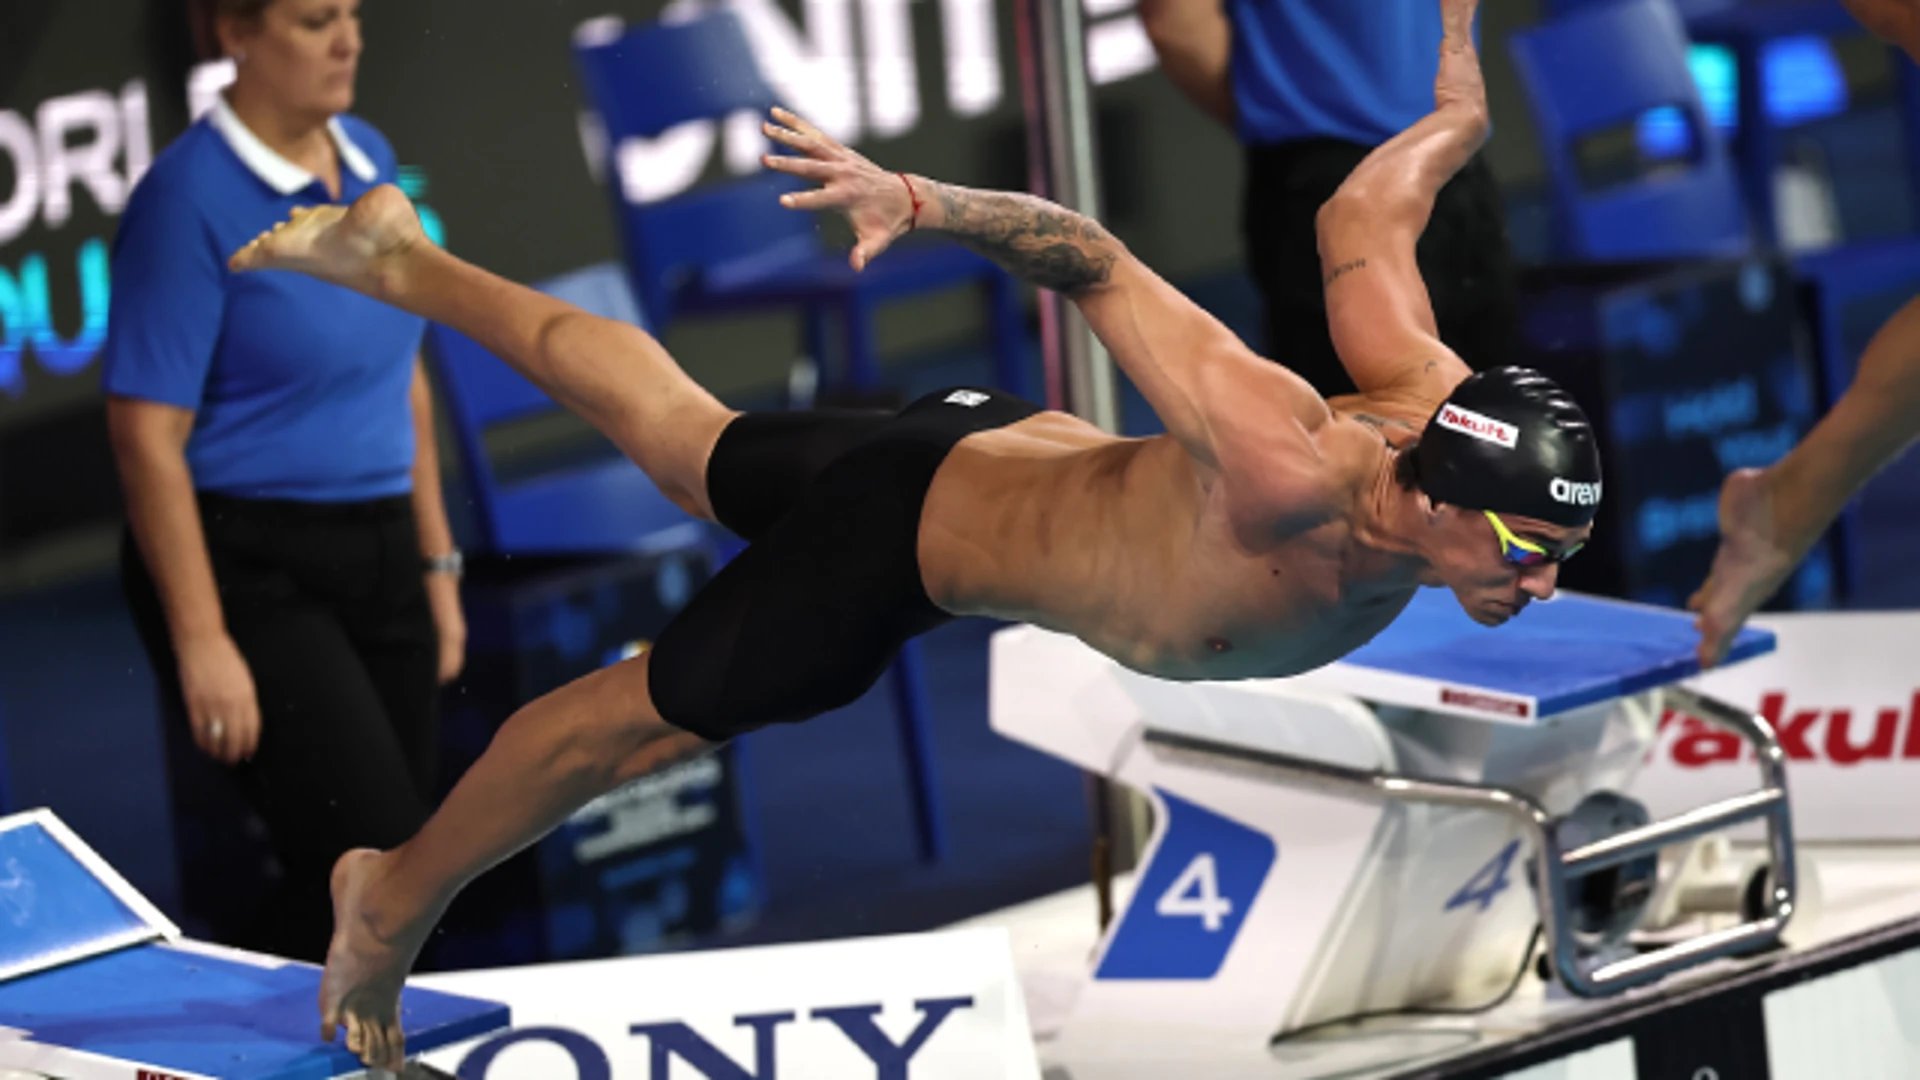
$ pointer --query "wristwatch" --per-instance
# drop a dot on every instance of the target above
(453, 562)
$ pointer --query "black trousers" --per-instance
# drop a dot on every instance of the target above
(328, 605)
(1464, 257)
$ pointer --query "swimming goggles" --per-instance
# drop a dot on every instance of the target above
(1525, 552)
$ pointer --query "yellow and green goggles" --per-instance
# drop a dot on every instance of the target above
(1525, 552)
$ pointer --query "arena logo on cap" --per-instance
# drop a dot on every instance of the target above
(1574, 492)
(1484, 428)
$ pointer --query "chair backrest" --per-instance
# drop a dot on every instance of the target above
(652, 79)
(1602, 67)
(480, 390)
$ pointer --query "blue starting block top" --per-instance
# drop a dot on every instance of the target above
(93, 983)
(1555, 656)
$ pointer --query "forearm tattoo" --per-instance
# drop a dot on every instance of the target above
(1048, 245)
(1342, 270)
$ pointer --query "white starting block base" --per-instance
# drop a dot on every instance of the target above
(1865, 888)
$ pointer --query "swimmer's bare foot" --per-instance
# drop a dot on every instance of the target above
(1750, 566)
(360, 247)
(373, 948)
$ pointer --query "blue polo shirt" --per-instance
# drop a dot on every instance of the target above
(1360, 70)
(299, 388)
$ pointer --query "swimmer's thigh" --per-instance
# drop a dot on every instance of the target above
(802, 622)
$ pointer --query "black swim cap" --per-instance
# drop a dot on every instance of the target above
(1512, 441)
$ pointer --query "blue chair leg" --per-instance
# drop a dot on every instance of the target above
(863, 356)
(816, 344)
(1009, 334)
(913, 712)
(1758, 145)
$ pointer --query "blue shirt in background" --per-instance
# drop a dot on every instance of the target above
(1360, 70)
(299, 388)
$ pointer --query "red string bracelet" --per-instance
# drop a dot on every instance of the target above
(915, 220)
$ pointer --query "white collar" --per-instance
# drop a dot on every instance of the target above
(280, 174)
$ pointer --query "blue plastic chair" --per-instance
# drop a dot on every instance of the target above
(731, 246)
(601, 506)
(1608, 62)
(1604, 65)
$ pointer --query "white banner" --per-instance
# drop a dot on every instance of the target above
(1842, 692)
(947, 1004)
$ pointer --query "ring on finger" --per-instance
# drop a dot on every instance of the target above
(215, 729)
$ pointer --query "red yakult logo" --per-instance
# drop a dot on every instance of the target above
(1813, 734)
(1484, 428)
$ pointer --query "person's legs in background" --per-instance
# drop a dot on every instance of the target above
(334, 769)
(392, 631)
(1464, 256)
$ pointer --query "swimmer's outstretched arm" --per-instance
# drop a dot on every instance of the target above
(1770, 518)
(1213, 394)
(1377, 305)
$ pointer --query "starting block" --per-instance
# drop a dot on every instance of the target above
(97, 984)
(1396, 831)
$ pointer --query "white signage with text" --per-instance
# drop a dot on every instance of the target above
(938, 1006)
(1842, 692)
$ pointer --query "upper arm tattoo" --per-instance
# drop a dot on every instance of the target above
(1035, 240)
(1342, 270)
(1382, 423)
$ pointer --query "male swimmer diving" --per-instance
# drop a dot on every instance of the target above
(1267, 532)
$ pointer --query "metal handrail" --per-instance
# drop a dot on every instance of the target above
(1555, 868)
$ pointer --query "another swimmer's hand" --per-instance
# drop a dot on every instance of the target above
(1752, 563)
(878, 204)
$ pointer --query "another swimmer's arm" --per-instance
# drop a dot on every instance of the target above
(1873, 422)
(1378, 310)
(1894, 21)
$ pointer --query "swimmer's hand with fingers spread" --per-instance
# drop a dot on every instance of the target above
(1032, 239)
(878, 204)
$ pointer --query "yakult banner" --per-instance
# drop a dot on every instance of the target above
(943, 1006)
(1842, 692)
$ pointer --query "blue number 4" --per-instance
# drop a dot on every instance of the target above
(1489, 882)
